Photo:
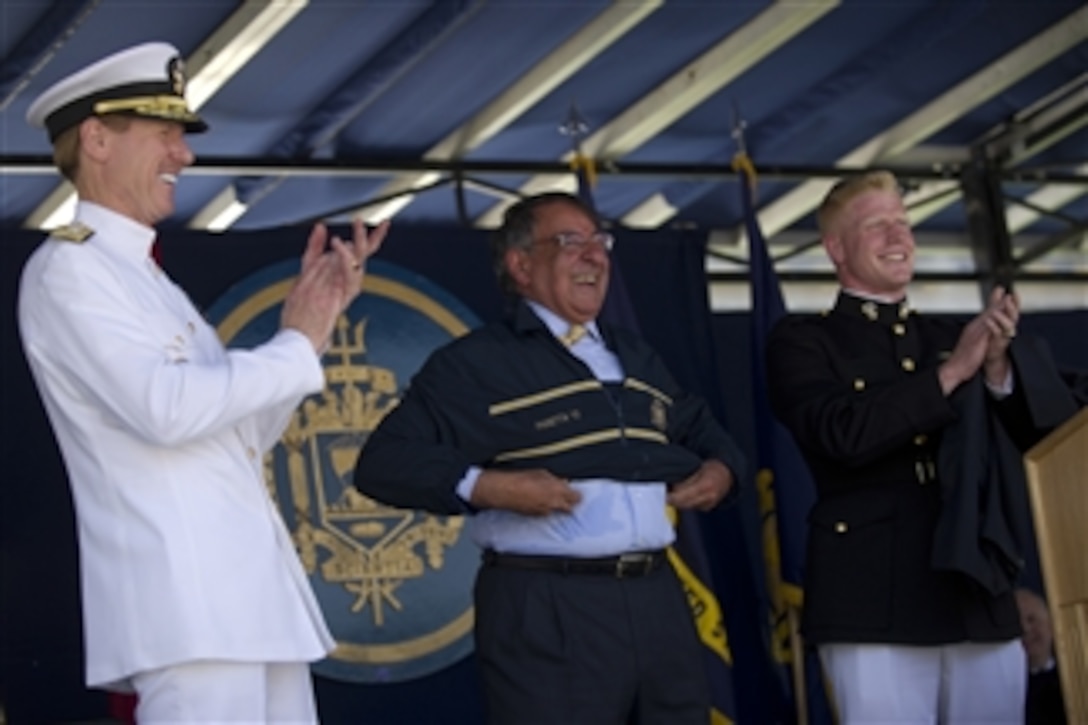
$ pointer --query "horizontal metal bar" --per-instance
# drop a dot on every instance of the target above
(825, 277)
(229, 166)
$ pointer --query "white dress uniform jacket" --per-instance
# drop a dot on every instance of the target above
(183, 553)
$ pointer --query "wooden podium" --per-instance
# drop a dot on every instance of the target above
(1057, 472)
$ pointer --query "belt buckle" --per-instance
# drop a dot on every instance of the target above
(630, 564)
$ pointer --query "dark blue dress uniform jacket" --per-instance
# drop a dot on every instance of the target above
(858, 390)
(510, 396)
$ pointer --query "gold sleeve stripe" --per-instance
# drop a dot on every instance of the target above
(587, 439)
(646, 435)
(568, 444)
(646, 388)
(542, 397)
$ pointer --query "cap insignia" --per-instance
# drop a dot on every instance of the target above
(175, 69)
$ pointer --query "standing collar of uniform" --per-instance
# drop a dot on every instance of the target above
(872, 308)
(116, 232)
(556, 324)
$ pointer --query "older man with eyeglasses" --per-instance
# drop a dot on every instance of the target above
(566, 439)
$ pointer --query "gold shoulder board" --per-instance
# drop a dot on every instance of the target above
(77, 232)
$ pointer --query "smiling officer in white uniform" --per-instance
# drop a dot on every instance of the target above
(193, 595)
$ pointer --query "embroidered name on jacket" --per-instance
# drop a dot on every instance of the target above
(573, 416)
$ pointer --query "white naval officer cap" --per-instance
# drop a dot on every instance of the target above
(145, 80)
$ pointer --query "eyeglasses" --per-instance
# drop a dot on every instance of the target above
(576, 242)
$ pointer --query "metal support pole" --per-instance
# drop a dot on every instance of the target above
(983, 201)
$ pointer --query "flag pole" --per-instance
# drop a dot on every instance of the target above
(742, 164)
(685, 554)
(576, 127)
(797, 660)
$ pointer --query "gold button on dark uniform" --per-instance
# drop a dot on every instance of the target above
(920, 439)
(908, 364)
(859, 384)
(899, 329)
(840, 527)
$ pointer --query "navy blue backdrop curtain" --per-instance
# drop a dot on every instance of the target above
(41, 665)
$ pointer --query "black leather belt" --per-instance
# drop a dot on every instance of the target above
(638, 563)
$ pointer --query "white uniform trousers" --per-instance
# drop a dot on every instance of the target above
(957, 684)
(226, 692)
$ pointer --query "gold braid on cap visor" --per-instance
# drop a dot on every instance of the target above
(161, 106)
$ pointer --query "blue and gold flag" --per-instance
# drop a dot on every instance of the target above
(785, 487)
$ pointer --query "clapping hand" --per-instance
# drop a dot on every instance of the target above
(329, 280)
(984, 341)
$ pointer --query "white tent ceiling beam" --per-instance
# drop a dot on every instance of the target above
(220, 213)
(56, 209)
(1028, 134)
(1049, 196)
(224, 53)
(807, 288)
(566, 60)
(918, 126)
(959, 297)
(685, 90)
(799, 252)
(986, 84)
